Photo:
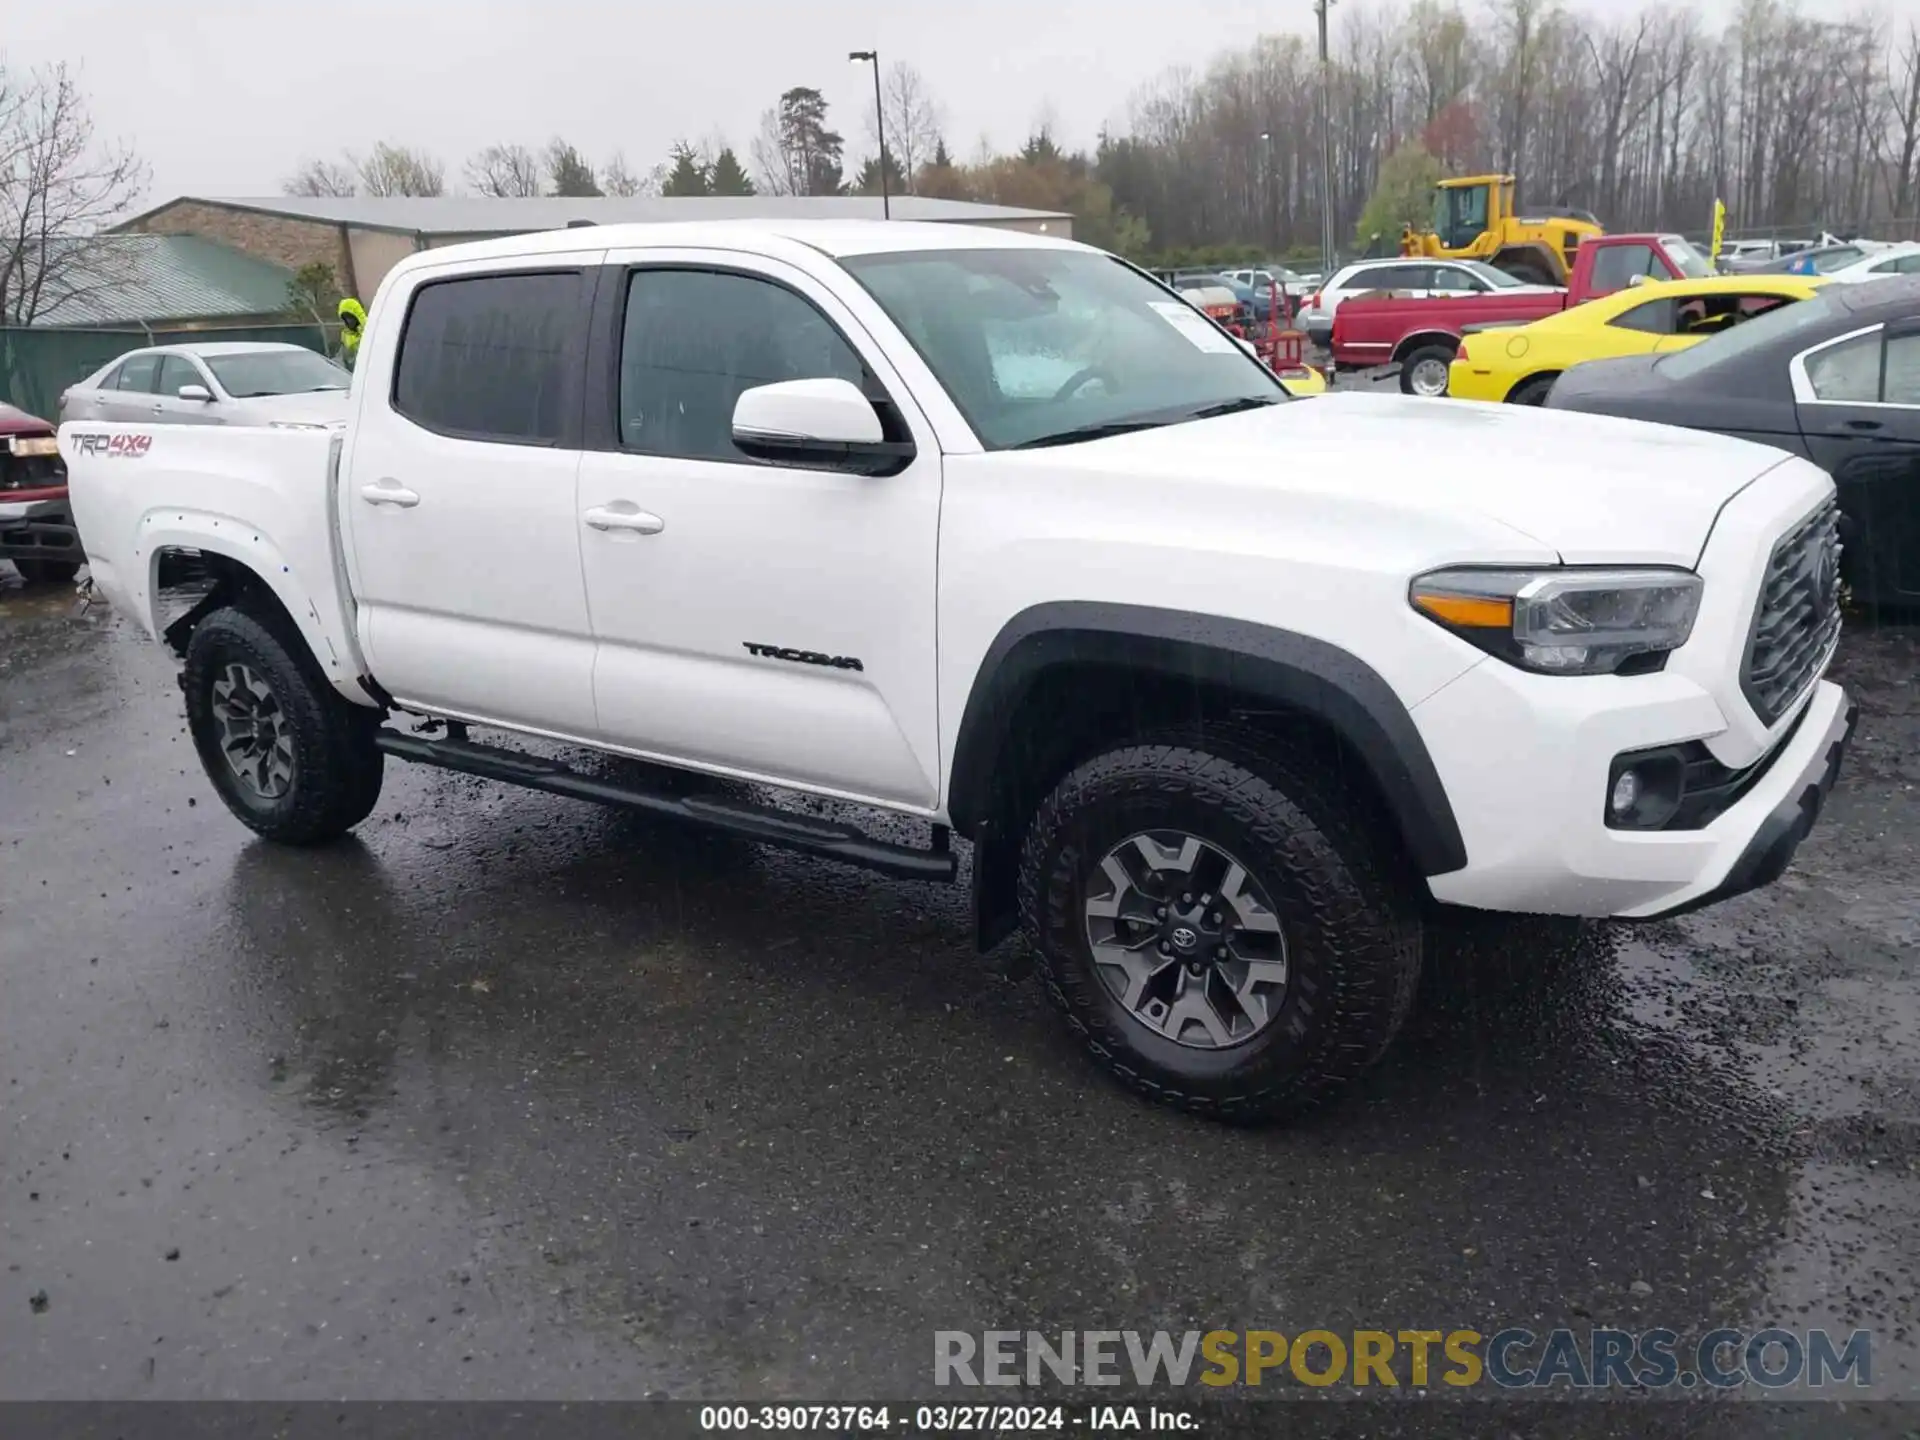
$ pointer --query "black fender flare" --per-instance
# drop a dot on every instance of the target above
(1289, 670)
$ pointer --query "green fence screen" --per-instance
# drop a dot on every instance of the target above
(37, 364)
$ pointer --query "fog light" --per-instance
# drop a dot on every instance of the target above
(1626, 790)
(1644, 789)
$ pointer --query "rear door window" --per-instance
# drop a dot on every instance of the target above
(141, 375)
(485, 357)
(1847, 373)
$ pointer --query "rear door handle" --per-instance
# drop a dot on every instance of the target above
(389, 492)
(638, 522)
(1863, 424)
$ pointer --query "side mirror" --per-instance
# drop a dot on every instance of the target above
(195, 392)
(824, 424)
(1633, 280)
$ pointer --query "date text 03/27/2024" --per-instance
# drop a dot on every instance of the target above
(949, 1419)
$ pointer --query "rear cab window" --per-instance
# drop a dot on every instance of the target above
(489, 357)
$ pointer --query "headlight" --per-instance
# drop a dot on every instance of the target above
(1568, 621)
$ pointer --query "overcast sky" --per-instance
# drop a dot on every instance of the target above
(224, 97)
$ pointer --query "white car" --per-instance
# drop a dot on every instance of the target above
(215, 383)
(1227, 691)
(1403, 276)
(1899, 259)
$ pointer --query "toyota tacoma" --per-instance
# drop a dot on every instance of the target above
(1230, 693)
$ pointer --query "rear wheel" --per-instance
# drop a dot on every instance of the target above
(291, 758)
(1424, 372)
(1219, 923)
(1532, 391)
(47, 572)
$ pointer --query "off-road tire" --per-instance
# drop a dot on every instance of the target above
(337, 769)
(1532, 391)
(1345, 899)
(47, 572)
(1413, 361)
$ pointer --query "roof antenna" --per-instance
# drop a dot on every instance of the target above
(576, 224)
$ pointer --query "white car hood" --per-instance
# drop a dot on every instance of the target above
(1595, 489)
(317, 406)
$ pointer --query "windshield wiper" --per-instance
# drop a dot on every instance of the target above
(1233, 407)
(1091, 432)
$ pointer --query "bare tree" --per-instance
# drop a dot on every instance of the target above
(1903, 79)
(390, 169)
(321, 177)
(58, 188)
(913, 119)
(503, 172)
(617, 178)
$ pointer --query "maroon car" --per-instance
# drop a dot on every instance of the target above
(36, 525)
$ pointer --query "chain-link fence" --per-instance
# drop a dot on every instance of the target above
(37, 364)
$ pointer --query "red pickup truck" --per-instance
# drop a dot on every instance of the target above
(36, 525)
(1421, 335)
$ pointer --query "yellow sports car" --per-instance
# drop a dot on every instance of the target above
(1304, 381)
(1520, 363)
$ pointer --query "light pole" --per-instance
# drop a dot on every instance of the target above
(872, 57)
(1273, 192)
(1326, 144)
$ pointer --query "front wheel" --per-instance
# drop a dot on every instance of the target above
(290, 757)
(1220, 923)
(1424, 372)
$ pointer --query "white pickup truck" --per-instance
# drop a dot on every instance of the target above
(1227, 690)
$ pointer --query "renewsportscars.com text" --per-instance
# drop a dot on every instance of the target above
(1512, 1359)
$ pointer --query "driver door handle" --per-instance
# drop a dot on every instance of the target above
(389, 492)
(638, 522)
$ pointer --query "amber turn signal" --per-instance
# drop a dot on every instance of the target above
(1476, 612)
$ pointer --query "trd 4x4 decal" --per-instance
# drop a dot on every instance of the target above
(128, 447)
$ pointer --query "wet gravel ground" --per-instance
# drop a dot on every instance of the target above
(511, 1097)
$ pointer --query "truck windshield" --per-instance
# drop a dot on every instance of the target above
(1041, 346)
(1693, 265)
(250, 374)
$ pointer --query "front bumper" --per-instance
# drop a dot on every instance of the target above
(1771, 849)
(1465, 381)
(38, 530)
(1528, 780)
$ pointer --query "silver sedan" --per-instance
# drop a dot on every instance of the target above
(223, 383)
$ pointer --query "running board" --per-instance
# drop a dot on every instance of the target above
(754, 822)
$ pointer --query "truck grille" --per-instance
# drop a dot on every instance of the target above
(1797, 622)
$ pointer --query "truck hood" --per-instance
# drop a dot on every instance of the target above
(1595, 489)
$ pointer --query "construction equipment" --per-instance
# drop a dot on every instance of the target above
(1474, 219)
